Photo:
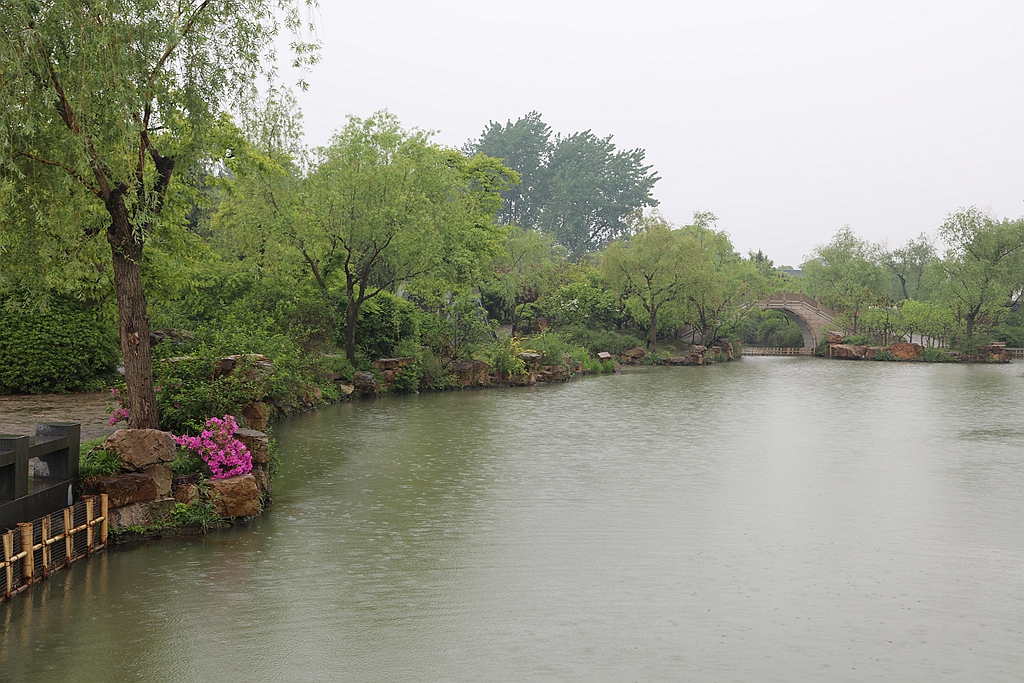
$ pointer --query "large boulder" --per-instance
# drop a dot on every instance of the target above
(836, 337)
(258, 444)
(186, 493)
(365, 383)
(256, 366)
(847, 351)
(471, 373)
(393, 363)
(906, 351)
(262, 476)
(162, 477)
(123, 489)
(871, 353)
(532, 360)
(235, 496)
(143, 514)
(137, 449)
(634, 355)
(256, 414)
(552, 373)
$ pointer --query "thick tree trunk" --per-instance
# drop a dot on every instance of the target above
(133, 322)
(654, 330)
(351, 318)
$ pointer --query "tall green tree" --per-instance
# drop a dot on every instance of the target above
(650, 268)
(384, 206)
(523, 146)
(719, 285)
(578, 188)
(983, 267)
(523, 273)
(909, 264)
(847, 275)
(113, 96)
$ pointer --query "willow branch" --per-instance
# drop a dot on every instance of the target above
(67, 169)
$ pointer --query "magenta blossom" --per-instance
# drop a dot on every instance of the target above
(225, 455)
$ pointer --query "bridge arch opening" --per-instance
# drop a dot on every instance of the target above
(812, 317)
(809, 341)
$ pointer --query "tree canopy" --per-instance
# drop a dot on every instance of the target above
(578, 188)
(104, 100)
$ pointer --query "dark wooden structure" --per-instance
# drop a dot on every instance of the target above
(38, 473)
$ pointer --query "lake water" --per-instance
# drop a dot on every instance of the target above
(774, 519)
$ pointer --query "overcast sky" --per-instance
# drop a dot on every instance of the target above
(786, 119)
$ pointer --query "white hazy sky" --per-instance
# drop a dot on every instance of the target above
(786, 119)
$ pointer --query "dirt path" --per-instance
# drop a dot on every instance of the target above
(20, 413)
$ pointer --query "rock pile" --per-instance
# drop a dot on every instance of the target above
(144, 493)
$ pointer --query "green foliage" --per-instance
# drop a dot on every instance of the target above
(596, 341)
(556, 349)
(577, 188)
(771, 328)
(61, 349)
(846, 274)
(187, 462)
(503, 356)
(200, 513)
(190, 390)
(649, 269)
(384, 322)
(93, 461)
(936, 355)
(883, 355)
(983, 269)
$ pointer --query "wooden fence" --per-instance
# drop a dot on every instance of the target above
(775, 351)
(1013, 352)
(36, 549)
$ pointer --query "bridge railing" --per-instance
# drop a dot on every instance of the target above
(800, 299)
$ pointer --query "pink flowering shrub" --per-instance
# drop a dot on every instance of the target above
(120, 412)
(225, 455)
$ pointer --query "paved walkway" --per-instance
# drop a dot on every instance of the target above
(20, 413)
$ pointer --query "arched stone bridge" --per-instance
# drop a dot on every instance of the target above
(812, 317)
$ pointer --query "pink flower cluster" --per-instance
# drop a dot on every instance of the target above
(217, 445)
(120, 412)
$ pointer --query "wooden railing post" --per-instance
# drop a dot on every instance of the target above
(88, 525)
(47, 553)
(9, 561)
(69, 543)
(104, 508)
(28, 562)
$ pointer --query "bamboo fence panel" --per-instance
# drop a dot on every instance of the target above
(34, 550)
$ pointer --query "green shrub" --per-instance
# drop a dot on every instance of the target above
(503, 356)
(58, 350)
(189, 392)
(93, 461)
(186, 462)
(433, 372)
(883, 355)
(554, 348)
(201, 513)
(936, 355)
(596, 341)
(384, 322)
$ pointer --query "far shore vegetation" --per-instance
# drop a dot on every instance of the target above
(156, 189)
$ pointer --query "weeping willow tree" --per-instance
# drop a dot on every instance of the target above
(100, 102)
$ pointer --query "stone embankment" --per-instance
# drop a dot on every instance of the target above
(995, 352)
(144, 494)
